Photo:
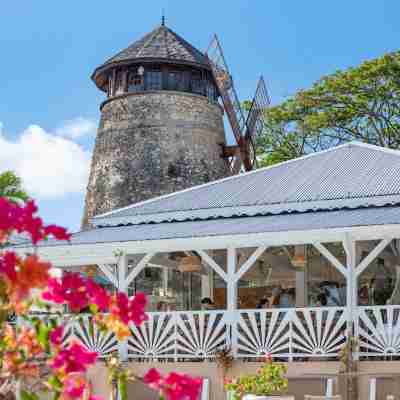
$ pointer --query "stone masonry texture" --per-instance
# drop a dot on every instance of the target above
(153, 143)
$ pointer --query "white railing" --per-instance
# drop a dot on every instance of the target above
(180, 335)
(283, 333)
(378, 331)
(291, 333)
(79, 327)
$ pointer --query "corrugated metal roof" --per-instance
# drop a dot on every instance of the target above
(353, 175)
(237, 226)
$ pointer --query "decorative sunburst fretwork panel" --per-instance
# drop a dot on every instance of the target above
(155, 338)
(263, 333)
(379, 330)
(318, 331)
(200, 334)
(93, 338)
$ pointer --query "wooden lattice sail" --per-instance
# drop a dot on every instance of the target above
(245, 131)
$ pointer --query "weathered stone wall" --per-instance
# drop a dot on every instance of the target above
(153, 143)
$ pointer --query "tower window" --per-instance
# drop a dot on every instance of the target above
(135, 82)
(153, 80)
(110, 85)
(119, 84)
(176, 81)
(197, 83)
(211, 93)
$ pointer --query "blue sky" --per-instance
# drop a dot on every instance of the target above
(49, 108)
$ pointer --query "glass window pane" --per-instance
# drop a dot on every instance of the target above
(197, 83)
(135, 83)
(153, 80)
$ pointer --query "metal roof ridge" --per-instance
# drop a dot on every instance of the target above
(253, 210)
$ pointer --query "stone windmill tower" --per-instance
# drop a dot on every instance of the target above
(161, 127)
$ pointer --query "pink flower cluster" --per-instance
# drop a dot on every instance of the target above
(77, 292)
(70, 364)
(130, 309)
(23, 219)
(174, 386)
(74, 358)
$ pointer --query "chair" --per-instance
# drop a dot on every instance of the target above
(310, 397)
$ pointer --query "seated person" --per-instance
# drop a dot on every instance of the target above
(207, 304)
(321, 300)
(287, 299)
(263, 303)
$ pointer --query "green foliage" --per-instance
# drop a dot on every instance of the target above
(270, 379)
(11, 187)
(28, 395)
(361, 103)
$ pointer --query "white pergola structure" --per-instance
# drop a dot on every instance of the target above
(347, 195)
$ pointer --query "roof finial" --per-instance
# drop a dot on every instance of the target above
(163, 17)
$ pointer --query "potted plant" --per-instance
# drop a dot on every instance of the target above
(267, 384)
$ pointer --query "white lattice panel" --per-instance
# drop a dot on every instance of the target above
(93, 338)
(379, 330)
(200, 334)
(154, 338)
(318, 331)
(263, 332)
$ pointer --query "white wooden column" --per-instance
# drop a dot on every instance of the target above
(231, 283)
(349, 245)
(123, 287)
(301, 278)
(206, 285)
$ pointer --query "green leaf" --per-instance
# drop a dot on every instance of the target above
(55, 383)
(123, 391)
(25, 395)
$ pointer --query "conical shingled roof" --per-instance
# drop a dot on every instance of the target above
(161, 44)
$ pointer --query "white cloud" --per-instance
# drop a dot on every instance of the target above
(76, 128)
(49, 165)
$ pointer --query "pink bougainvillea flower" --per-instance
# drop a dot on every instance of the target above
(23, 275)
(22, 219)
(56, 336)
(75, 358)
(114, 324)
(123, 311)
(8, 263)
(130, 309)
(98, 295)
(77, 292)
(152, 378)
(174, 386)
(57, 232)
(70, 290)
(74, 386)
(181, 386)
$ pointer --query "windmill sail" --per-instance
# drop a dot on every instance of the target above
(255, 122)
(230, 101)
